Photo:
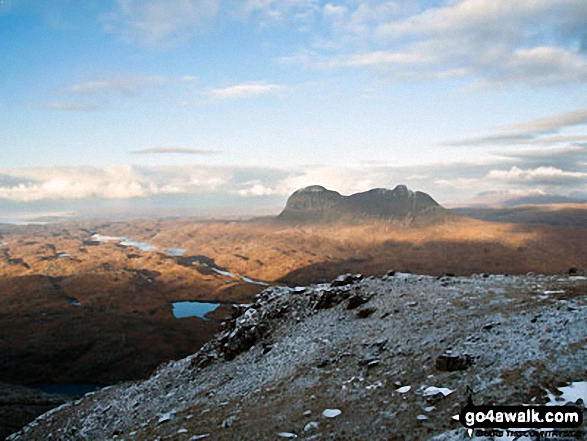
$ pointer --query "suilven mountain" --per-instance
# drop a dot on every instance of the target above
(318, 204)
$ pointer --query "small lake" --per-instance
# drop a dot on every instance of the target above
(76, 390)
(140, 245)
(175, 251)
(193, 309)
(224, 273)
(256, 282)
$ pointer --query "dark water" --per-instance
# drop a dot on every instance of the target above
(76, 390)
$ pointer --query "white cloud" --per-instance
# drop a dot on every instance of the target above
(539, 66)
(533, 132)
(345, 180)
(160, 22)
(498, 198)
(553, 123)
(128, 85)
(461, 183)
(575, 151)
(378, 58)
(67, 105)
(244, 90)
(334, 11)
(272, 11)
(219, 184)
(493, 43)
(256, 188)
(540, 175)
(181, 150)
(111, 182)
(501, 41)
(517, 138)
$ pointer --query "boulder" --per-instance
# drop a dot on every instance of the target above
(453, 361)
(346, 279)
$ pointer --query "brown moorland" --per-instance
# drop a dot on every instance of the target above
(102, 312)
(74, 309)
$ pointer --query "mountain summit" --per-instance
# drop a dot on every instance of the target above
(318, 204)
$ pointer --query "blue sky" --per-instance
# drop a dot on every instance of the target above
(243, 101)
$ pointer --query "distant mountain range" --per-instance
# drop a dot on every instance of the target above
(318, 204)
(497, 199)
(544, 199)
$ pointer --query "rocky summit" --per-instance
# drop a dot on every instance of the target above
(388, 358)
(318, 204)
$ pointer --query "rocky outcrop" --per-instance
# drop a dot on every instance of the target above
(318, 204)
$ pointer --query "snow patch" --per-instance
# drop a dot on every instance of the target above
(431, 391)
(404, 389)
(331, 413)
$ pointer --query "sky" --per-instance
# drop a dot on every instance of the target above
(224, 105)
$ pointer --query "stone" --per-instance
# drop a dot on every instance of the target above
(355, 301)
(165, 418)
(346, 279)
(369, 360)
(330, 298)
(228, 422)
(366, 312)
(379, 343)
(313, 425)
(489, 326)
(450, 362)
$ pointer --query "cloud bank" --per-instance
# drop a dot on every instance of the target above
(532, 173)
(488, 43)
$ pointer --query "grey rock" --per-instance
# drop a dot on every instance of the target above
(313, 425)
(366, 312)
(346, 279)
(450, 361)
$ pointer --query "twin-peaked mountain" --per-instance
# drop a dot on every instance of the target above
(318, 204)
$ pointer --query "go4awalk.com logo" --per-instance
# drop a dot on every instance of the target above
(561, 421)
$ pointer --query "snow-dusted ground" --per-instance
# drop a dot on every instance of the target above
(319, 370)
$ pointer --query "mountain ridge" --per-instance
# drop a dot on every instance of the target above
(319, 204)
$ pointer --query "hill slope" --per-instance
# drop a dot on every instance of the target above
(354, 359)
